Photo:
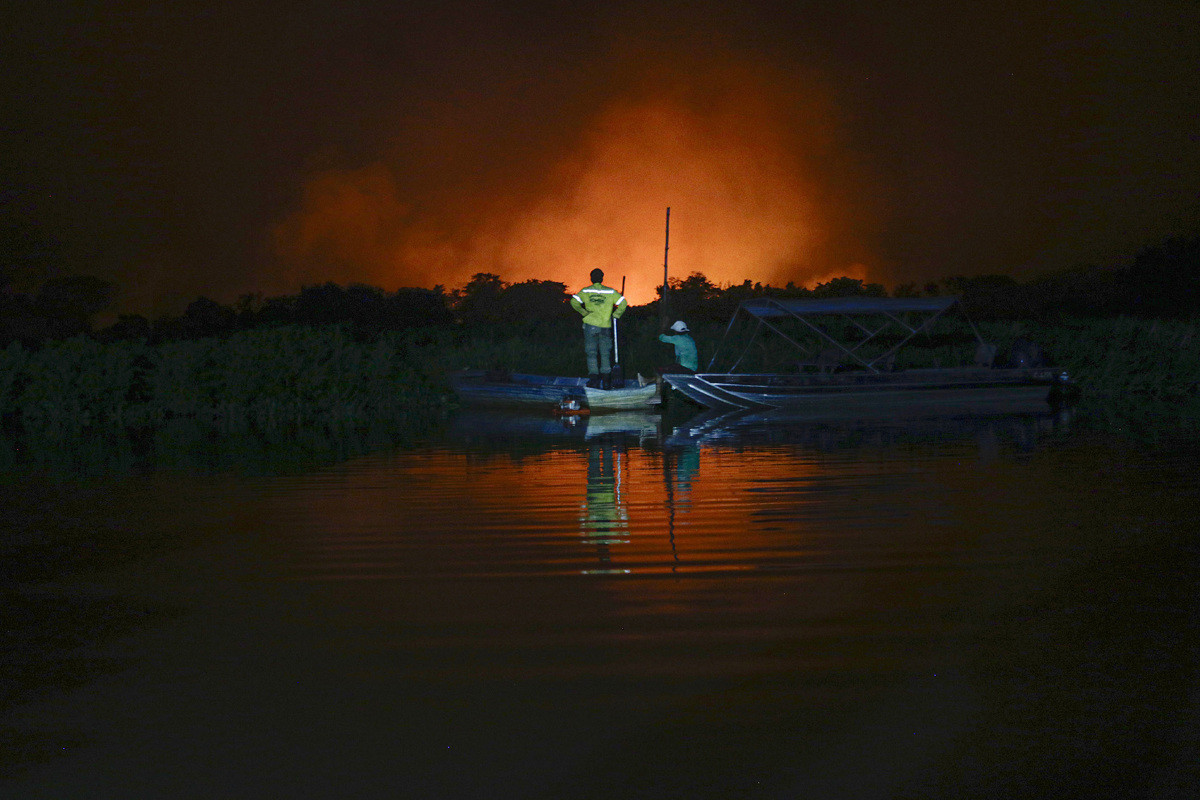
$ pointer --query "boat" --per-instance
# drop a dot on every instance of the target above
(553, 393)
(867, 357)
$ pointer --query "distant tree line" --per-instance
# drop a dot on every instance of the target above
(1162, 282)
(369, 311)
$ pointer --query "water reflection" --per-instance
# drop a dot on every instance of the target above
(1022, 431)
(498, 428)
(196, 447)
(680, 464)
(747, 478)
(605, 521)
(193, 446)
(943, 608)
(707, 428)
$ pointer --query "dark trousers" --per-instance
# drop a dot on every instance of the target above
(597, 344)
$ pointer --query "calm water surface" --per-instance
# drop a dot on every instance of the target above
(522, 607)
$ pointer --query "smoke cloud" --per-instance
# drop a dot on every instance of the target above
(185, 152)
(747, 159)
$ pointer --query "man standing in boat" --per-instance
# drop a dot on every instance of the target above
(599, 306)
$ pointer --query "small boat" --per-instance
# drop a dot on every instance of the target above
(564, 394)
(850, 357)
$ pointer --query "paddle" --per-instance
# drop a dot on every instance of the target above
(618, 372)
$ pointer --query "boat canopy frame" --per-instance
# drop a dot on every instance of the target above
(873, 316)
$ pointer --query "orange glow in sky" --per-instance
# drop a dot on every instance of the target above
(415, 143)
(745, 170)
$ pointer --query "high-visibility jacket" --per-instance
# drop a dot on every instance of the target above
(599, 305)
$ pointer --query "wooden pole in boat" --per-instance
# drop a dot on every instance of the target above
(662, 303)
(617, 375)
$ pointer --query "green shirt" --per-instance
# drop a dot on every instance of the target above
(599, 305)
(685, 349)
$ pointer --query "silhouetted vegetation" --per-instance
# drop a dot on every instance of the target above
(28, 256)
(366, 310)
(1162, 281)
(697, 298)
(61, 308)
(36, 302)
(267, 379)
(528, 307)
(358, 352)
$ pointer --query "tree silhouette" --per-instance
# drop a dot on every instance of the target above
(694, 297)
(205, 317)
(478, 303)
(534, 303)
(28, 256)
(72, 302)
(848, 287)
(1164, 279)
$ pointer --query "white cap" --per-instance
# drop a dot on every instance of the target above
(680, 326)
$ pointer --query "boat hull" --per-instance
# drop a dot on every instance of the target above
(838, 395)
(515, 390)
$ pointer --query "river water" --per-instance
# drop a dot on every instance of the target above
(619, 607)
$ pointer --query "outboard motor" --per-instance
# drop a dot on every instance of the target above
(1025, 353)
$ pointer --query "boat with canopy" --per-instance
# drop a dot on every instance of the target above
(868, 356)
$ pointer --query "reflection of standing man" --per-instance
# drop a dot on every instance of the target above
(599, 306)
(605, 522)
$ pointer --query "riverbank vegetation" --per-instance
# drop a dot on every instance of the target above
(358, 355)
(296, 376)
(289, 375)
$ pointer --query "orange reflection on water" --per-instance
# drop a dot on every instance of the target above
(602, 505)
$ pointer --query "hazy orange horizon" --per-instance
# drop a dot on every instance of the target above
(750, 170)
(220, 155)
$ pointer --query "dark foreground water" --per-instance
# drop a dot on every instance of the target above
(519, 607)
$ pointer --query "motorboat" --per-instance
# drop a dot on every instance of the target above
(868, 356)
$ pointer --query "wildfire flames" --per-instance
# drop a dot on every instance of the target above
(750, 173)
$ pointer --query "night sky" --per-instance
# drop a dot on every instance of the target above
(199, 148)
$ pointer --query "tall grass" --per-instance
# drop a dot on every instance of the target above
(297, 376)
(1119, 357)
(263, 378)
